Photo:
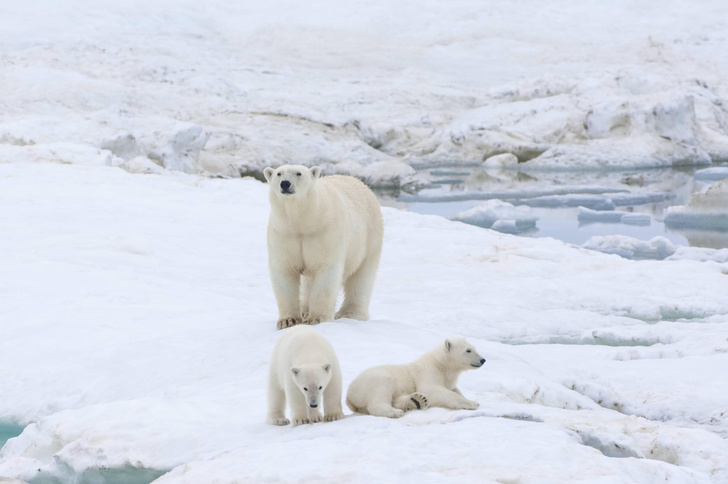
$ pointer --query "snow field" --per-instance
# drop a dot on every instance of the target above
(139, 321)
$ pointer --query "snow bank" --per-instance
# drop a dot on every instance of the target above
(225, 90)
(500, 216)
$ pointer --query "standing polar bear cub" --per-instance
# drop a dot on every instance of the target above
(305, 372)
(323, 233)
(429, 381)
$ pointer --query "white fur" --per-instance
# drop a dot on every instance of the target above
(305, 372)
(391, 390)
(326, 233)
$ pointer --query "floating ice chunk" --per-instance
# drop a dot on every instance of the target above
(504, 160)
(586, 215)
(712, 174)
(701, 254)
(596, 202)
(506, 226)
(500, 216)
(605, 216)
(706, 211)
(631, 248)
(636, 219)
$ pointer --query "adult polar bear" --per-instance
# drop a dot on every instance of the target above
(429, 381)
(323, 232)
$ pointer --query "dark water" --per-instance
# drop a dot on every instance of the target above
(554, 197)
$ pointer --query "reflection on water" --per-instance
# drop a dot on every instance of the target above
(554, 196)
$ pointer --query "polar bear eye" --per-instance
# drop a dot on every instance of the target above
(298, 174)
(467, 351)
(320, 388)
(279, 174)
(305, 389)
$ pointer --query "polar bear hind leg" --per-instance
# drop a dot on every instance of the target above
(358, 290)
(413, 401)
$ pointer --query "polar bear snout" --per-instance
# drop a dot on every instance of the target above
(479, 364)
(313, 405)
(286, 187)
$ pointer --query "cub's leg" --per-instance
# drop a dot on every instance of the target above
(276, 401)
(297, 403)
(332, 397)
(442, 397)
(413, 401)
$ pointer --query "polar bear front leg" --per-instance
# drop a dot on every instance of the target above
(286, 284)
(323, 288)
(297, 404)
(276, 405)
(442, 397)
(332, 398)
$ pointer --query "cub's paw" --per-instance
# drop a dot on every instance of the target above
(288, 322)
(313, 320)
(278, 421)
(301, 420)
(470, 405)
(332, 417)
(315, 417)
(416, 401)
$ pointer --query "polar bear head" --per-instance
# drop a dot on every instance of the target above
(291, 180)
(461, 355)
(312, 381)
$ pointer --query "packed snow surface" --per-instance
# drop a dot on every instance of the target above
(138, 322)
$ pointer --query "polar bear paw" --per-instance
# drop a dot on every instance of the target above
(301, 420)
(315, 417)
(332, 417)
(313, 320)
(278, 421)
(470, 405)
(288, 322)
(416, 401)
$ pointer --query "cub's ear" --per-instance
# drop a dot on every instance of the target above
(316, 172)
(295, 370)
(327, 367)
(268, 173)
(448, 345)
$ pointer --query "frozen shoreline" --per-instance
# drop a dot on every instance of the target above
(227, 90)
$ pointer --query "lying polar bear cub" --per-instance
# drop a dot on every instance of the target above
(305, 371)
(429, 381)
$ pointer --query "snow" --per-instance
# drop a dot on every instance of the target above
(230, 88)
(137, 316)
(138, 320)
(500, 216)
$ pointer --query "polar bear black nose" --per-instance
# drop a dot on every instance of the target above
(482, 360)
(285, 184)
(314, 405)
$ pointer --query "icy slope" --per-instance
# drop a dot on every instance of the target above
(363, 87)
(138, 321)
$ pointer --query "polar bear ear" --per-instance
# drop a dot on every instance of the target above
(268, 173)
(448, 345)
(327, 367)
(315, 171)
(295, 370)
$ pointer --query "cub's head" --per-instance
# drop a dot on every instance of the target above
(312, 381)
(462, 355)
(291, 180)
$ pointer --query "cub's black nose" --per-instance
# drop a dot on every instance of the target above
(482, 360)
(314, 405)
(285, 184)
